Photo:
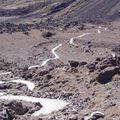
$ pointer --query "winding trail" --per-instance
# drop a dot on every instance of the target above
(71, 42)
(2, 93)
(72, 39)
(45, 62)
(5, 73)
(48, 105)
(29, 84)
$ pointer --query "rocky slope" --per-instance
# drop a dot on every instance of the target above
(55, 64)
(61, 10)
(83, 72)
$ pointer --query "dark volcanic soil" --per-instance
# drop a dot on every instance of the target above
(60, 11)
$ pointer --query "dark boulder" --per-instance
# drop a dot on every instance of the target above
(107, 74)
(81, 27)
(73, 63)
(5, 86)
(49, 77)
(18, 107)
(97, 115)
(47, 34)
(82, 63)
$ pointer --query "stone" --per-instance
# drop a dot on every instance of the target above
(73, 117)
(98, 59)
(106, 75)
(47, 34)
(83, 63)
(28, 76)
(94, 116)
(91, 67)
(49, 77)
(97, 115)
(5, 86)
(18, 107)
(73, 63)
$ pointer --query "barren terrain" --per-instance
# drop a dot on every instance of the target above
(59, 60)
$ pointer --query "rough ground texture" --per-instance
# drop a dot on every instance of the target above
(60, 10)
(87, 72)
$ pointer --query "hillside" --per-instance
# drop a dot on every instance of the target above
(60, 10)
(59, 59)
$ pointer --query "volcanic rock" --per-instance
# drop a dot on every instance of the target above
(106, 75)
(20, 107)
(73, 63)
(47, 34)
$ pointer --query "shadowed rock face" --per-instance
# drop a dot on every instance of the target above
(66, 11)
(106, 75)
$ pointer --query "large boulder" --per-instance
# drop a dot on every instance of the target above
(107, 74)
(21, 107)
(18, 107)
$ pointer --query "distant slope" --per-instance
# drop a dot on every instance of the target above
(64, 10)
(95, 9)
